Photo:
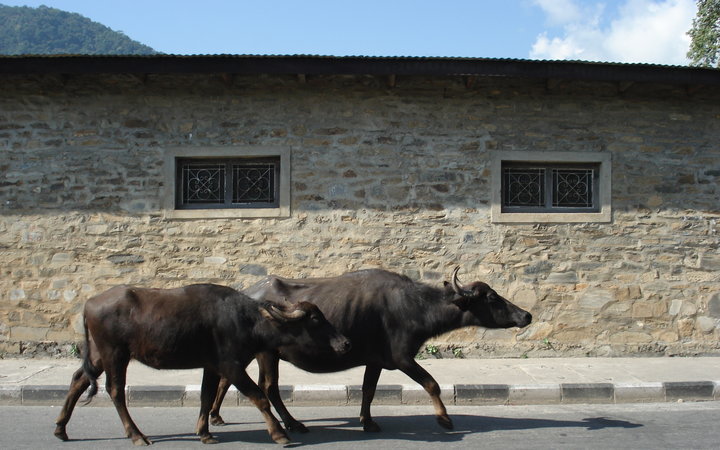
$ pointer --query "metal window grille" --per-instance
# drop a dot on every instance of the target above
(572, 188)
(524, 187)
(529, 187)
(253, 183)
(232, 183)
(203, 183)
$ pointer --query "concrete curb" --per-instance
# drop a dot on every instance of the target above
(339, 395)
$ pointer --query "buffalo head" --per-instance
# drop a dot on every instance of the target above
(308, 326)
(485, 307)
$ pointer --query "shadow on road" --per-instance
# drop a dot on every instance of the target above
(419, 428)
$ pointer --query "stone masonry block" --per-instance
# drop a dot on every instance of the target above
(385, 394)
(587, 393)
(45, 395)
(328, 395)
(155, 395)
(639, 392)
(482, 394)
(537, 394)
(689, 390)
(10, 395)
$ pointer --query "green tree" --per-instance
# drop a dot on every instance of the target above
(705, 35)
(45, 31)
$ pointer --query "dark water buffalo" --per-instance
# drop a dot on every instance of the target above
(203, 325)
(387, 318)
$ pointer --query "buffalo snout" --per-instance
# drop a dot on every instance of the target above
(524, 320)
(341, 345)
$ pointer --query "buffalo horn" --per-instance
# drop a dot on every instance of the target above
(286, 316)
(456, 284)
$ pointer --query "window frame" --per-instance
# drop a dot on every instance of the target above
(227, 165)
(173, 208)
(602, 192)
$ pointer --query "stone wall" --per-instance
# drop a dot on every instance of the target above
(397, 178)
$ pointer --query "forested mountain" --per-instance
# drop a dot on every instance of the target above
(50, 31)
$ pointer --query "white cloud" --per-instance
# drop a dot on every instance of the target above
(645, 31)
(560, 12)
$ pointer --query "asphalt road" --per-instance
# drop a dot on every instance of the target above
(632, 426)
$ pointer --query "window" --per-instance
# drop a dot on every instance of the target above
(227, 182)
(233, 183)
(551, 187)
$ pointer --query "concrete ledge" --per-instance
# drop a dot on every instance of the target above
(414, 394)
(329, 394)
(10, 395)
(391, 394)
(385, 394)
(44, 395)
(155, 395)
(639, 392)
(482, 394)
(535, 394)
(689, 390)
(587, 393)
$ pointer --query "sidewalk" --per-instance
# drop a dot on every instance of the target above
(463, 382)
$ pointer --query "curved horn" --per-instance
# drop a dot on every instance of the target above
(283, 316)
(457, 287)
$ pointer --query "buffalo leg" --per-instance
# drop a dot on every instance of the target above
(78, 385)
(247, 386)
(215, 418)
(207, 395)
(268, 380)
(424, 379)
(370, 380)
(116, 375)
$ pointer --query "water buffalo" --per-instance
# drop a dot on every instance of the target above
(387, 318)
(202, 325)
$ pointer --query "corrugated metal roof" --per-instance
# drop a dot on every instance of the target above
(358, 65)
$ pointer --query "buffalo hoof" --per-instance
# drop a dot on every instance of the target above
(141, 441)
(371, 426)
(61, 434)
(297, 427)
(280, 438)
(208, 439)
(445, 422)
(217, 421)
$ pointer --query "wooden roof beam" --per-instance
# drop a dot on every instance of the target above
(470, 81)
(693, 89)
(552, 83)
(228, 79)
(623, 86)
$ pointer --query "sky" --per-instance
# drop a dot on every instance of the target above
(626, 31)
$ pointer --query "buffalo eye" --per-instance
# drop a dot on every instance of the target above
(315, 320)
(493, 299)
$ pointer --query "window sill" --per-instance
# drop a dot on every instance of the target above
(501, 217)
(260, 213)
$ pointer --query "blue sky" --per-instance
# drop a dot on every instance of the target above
(633, 31)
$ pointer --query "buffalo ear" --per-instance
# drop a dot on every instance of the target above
(264, 312)
(274, 313)
(461, 302)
